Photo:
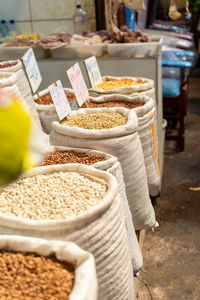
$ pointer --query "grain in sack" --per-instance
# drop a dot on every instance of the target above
(15, 66)
(121, 141)
(105, 162)
(45, 269)
(74, 203)
(46, 109)
(146, 113)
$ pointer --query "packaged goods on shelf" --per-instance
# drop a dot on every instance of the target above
(122, 142)
(46, 109)
(15, 66)
(105, 162)
(100, 230)
(61, 269)
(146, 113)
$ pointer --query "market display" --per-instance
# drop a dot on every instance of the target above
(38, 276)
(102, 120)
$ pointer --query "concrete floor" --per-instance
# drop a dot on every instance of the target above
(172, 253)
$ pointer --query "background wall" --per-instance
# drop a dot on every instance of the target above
(44, 16)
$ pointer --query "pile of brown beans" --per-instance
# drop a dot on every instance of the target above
(47, 100)
(7, 65)
(67, 157)
(103, 120)
(30, 276)
(129, 105)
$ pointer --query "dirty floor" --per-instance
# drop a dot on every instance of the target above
(172, 253)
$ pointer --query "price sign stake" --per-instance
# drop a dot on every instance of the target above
(60, 100)
(32, 69)
(78, 84)
(93, 71)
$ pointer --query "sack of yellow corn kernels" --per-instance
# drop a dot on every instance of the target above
(15, 66)
(56, 155)
(146, 113)
(115, 131)
(72, 270)
(75, 203)
(122, 85)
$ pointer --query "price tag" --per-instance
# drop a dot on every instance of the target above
(78, 84)
(93, 71)
(32, 69)
(60, 100)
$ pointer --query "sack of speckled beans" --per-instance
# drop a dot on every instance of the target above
(60, 155)
(115, 131)
(146, 113)
(78, 203)
(46, 108)
(45, 270)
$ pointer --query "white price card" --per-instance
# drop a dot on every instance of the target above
(93, 71)
(32, 69)
(78, 84)
(60, 100)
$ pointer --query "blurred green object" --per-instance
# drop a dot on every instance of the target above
(15, 127)
(194, 5)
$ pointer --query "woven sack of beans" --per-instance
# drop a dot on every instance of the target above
(15, 66)
(122, 85)
(47, 112)
(99, 229)
(124, 143)
(146, 113)
(82, 281)
(111, 165)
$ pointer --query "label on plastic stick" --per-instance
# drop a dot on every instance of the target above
(32, 70)
(60, 100)
(78, 84)
(93, 71)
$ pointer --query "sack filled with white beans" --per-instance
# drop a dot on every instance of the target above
(15, 66)
(121, 141)
(47, 112)
(84, 286)
(146, 113)
(75, 203)
(105, 162)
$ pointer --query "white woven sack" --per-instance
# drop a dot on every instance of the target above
(124, 89)
(100, 230)
(112, 165)
(122, 142)
(47, 113)
(147, 132)
(85, 284)
(23, 85)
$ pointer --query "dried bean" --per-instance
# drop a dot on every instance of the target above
(129, 105)
(114, 83)
(47, 100)
(52, 196)
(30, 276)
(66, 157)
(95, 120)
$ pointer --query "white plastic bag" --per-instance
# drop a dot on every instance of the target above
(85, 284)
(100, 230)
(122, 142)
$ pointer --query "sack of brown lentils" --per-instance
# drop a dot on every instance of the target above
(15, 66)
(105, 162)
(115, 131)
(122, 85)
(146, 113)
(46, 108)
(56, 269)
(75, 203)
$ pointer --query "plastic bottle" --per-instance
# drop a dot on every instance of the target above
(121, 15)
(80, 19)
(11, 27)
(4, 31)
(130, 19)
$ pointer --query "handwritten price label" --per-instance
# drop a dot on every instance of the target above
(60, 100)
(93, 71)
(78, 84)
(32, 69)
